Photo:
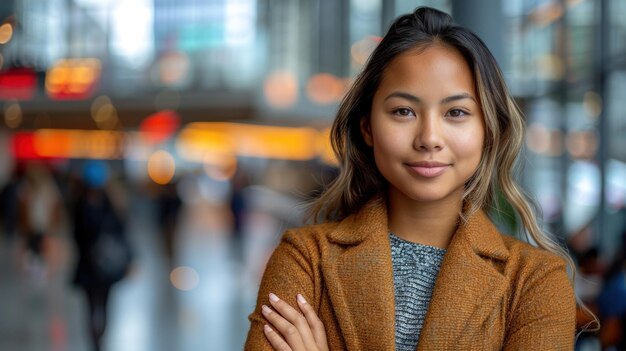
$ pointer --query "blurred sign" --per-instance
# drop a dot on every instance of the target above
(73, 79)
(18, 83)
(200, 138)
(59, 143)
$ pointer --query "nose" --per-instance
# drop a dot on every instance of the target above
(429, 134)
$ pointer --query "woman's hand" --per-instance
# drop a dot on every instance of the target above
(292, 330)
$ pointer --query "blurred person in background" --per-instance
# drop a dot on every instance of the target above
(40, 214)
(104, 253)
(169, 206)
(238, 208)
(9, 202)
(407, 257)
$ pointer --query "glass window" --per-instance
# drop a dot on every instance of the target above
(617, 27)
(581, 46)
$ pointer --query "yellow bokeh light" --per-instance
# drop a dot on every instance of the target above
(55, 78)
(74, 76)
(324, 147)
(98, 103)
(6, 33)
(88, 144)
(161, 167)
(13, 115)
(248, 140)
(104, 113)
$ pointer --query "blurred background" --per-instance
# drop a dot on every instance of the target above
(179, 138)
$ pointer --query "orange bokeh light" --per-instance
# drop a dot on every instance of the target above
(325, 88)
(281, 89)
(161, 167)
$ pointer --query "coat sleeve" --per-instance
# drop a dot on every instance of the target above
(288, 272)
(545, 316)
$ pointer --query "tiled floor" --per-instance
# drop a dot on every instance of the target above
(41, 310)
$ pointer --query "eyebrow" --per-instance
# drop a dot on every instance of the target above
(446, 100)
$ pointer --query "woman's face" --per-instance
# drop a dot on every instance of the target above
(426, 126)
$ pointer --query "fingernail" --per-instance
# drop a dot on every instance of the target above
(267, 328)
(265, 309)
(273, 297)
(301, 299)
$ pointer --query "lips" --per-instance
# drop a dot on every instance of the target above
(428, 169)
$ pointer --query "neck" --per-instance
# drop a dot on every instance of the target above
(429, 223)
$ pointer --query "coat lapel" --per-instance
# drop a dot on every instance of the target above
(358, 273)
(469, 287)
(359, 277)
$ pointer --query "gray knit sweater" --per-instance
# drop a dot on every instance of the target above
(415, 269)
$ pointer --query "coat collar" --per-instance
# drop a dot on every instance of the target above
(359, 277)
(478, 231)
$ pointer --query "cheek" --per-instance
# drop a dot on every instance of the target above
(389, 142)
(469, 146)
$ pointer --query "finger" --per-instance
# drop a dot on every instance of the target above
(317, 327)
(277, 342)
(288, 331)
(295, 318)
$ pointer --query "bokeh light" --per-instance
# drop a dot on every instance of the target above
(592, 103)
(286, 143)
(85, 144)
(220, 166)
(281, 89)
(325, 88)
(184, 278)
(104, 113)
(6, 33)
(544, 141)
(550, 67)
(73, 78)
(546, 13)
(159, 126)
(161, 167)
(13, 115)
(362, 49)
(172, 70)
(582, 144)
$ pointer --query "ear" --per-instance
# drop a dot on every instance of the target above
(366, 131)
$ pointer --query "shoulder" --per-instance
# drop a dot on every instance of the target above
(530, 257)
(536, 272)
(309, 236)
(541, 304)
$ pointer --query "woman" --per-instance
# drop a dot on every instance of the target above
(407, 257)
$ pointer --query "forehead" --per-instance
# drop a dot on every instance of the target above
(436, 68)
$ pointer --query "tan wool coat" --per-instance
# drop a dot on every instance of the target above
(493, 292)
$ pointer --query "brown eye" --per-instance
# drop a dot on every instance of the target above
(404, 112)
(456, 113)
